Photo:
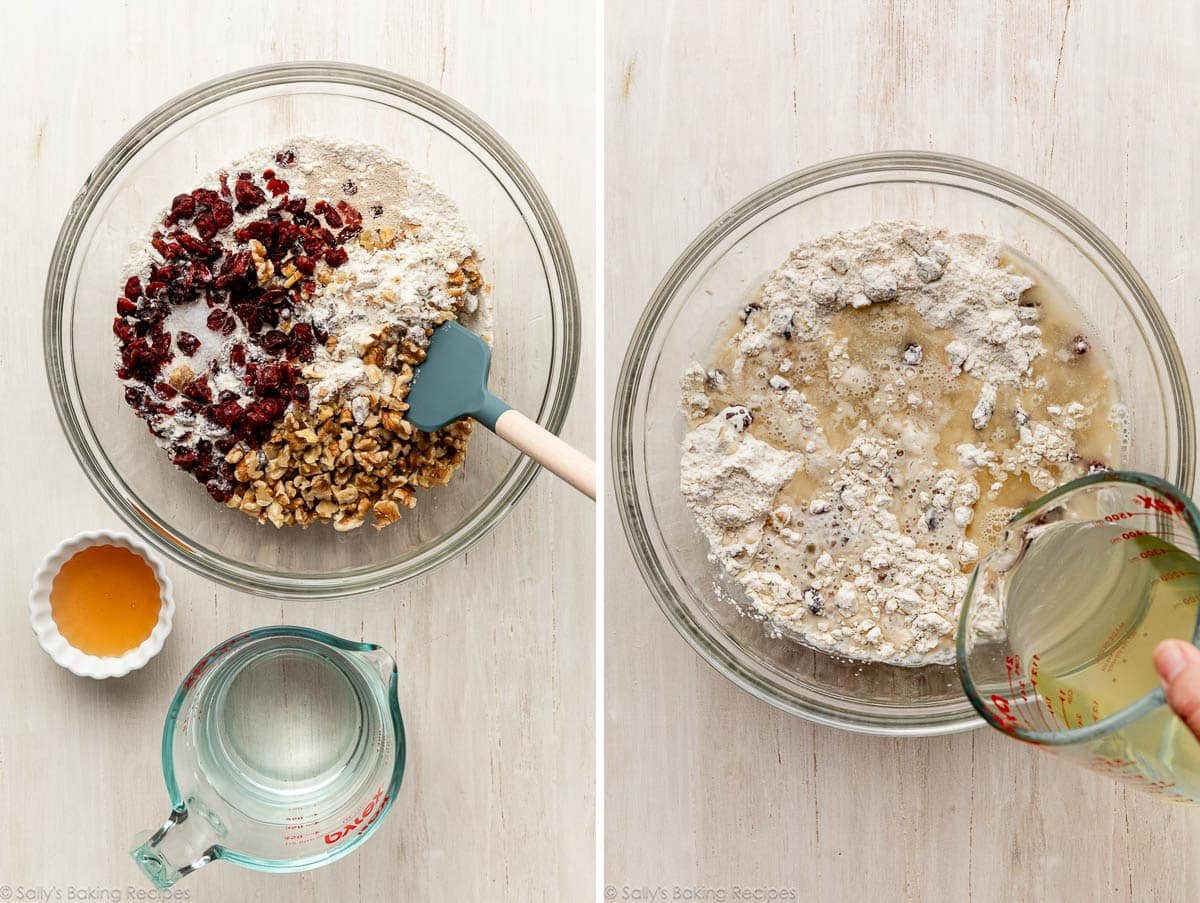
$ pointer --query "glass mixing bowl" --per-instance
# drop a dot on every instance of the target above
(723, 268)
(528, 265)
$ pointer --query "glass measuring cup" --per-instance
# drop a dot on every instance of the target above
(1059, 624)
(282, 751)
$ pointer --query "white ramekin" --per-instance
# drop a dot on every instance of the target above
(64, 653)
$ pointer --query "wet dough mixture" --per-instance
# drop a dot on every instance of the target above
(864, 430)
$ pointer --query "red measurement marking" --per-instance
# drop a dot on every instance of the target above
(1122, 515)
(1125, 537)
(1173, 575)
(1034, 670)
(370, 812)
(1166, 504)
(1149, 553)
(1003, 713)
(202, 665)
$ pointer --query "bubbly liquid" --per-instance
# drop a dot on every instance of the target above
(105, 601)
(875, 339)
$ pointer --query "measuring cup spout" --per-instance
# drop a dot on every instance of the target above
(182, 845)
(381, 663)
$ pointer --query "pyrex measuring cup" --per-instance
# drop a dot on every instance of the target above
(1060, 622)
(282, 751)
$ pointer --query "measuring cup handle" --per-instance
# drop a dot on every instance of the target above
(180, 840)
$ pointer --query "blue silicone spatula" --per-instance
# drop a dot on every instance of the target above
(452, 384)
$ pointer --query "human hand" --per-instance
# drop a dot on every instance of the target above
(1178, 666)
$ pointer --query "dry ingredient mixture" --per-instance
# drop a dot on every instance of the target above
(268, 329)
(880, 410)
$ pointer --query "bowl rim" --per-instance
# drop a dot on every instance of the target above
(83, 664)
(544, 228)
(625, 465)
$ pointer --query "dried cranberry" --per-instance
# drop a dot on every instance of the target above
(199, 273)
(335, 257)
(277, 187)
(133, 288)
(348, 233)
(205, 197)
(260, 230)
(216, 320)
(248, 194)
(228, 328)
(227, 413)
(195, 246)
(239, 263)
(198, 390)
(219, 490)
(135, 396)
(224, 180)
(273, 341)
(296, 206)
(272, 376)
(154, 288)
(305, 265)
(286, 157)
(183, 206)
(352, 216)
(206, 226)
(222, 214)
(303, 332)
(286, 235)
(123, 330)
(237, 355)
(300, 393)
(125, 307)
(185, 460)
(272, 407)
(812, 598)
(165, 391)
(321, 208)
(187, 343)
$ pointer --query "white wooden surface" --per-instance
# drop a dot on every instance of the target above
(496, 649)
(1098, 101)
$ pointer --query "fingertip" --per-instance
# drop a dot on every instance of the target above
(1173, 656)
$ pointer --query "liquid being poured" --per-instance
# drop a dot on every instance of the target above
(1087, 605)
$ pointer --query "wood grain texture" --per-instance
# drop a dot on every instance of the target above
(1096, 101)
(495, 649)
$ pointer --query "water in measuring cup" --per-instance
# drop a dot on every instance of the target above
(286, 731)
(1086, 607)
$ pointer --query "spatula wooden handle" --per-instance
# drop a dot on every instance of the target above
(548, 450)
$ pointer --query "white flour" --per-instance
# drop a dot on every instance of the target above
(845, 516)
